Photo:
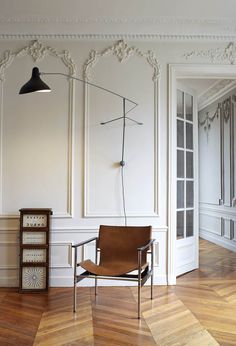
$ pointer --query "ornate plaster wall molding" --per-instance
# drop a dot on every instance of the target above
(225, 106)
(116, 36)
(226, 109)
(206, 122)
(225, 23)
(122, 51)
(37, 50)
(122, 20)
(217, 55)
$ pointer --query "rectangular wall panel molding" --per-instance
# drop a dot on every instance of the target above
(102, 145)
(36, 135)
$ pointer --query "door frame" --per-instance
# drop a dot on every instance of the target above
(178, 71)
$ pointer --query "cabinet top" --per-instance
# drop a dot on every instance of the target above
(36, 210)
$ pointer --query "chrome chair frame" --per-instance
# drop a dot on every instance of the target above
(140, 278)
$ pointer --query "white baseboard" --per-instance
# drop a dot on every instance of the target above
(171, 280)
(9, 281)
(68, 282)
(227, 244)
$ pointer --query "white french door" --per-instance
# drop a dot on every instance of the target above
(186, 181)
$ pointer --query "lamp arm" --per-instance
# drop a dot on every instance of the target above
(89, 83)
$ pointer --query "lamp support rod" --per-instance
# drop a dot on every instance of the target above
(89, 83)
(122, 163)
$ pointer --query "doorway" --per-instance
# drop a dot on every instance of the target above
(180, 214)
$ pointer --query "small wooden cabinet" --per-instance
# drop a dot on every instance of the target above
(34, 249)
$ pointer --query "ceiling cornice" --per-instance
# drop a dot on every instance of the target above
(213, 93)
(145, 37)
(228, 23)
(147, 28)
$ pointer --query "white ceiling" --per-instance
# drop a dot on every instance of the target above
(208, 90)
(122, 8)
(169, 17)
(200, 86)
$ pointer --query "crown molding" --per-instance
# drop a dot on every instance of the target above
(133, 37)
(226, 23)
(116, 28)
(218, 90)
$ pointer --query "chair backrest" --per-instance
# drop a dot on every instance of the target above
(120, 243)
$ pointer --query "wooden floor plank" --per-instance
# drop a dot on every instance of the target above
(20, 316)
(198, 311)
(60, 326)
(115, 319)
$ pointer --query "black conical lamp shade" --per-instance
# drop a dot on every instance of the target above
(34, 84)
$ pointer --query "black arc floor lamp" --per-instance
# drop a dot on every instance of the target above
(35, 84)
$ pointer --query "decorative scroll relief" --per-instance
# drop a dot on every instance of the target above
(226, 108)
(226, 112)
(220, 55)
(38, 51)
(123, 52)
(206, 122)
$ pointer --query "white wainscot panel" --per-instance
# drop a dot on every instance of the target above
(9, 277)
(227, 229)
(211, 224)
(61, 255)
(234, 231)
(9, 255)
(184, 256)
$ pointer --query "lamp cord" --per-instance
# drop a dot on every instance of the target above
(123, 194)
(122, 162)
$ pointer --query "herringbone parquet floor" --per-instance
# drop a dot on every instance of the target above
(200, 310)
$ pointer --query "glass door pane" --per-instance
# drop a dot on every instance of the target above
(184, 166)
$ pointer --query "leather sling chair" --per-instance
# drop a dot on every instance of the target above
(123, 249)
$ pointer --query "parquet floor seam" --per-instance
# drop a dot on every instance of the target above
(199, 311)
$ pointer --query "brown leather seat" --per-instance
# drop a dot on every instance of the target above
(118, 250)
(123, 249)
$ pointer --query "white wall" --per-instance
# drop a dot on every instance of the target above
(217, 171)
(54, 152)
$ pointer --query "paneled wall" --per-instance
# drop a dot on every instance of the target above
(55, 153)
(217, 161)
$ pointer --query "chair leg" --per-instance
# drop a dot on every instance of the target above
(75, 280)
(74, 299)
(152, 286)
(139, 283)
(96, 286)
(152, 268)
(139, 299)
